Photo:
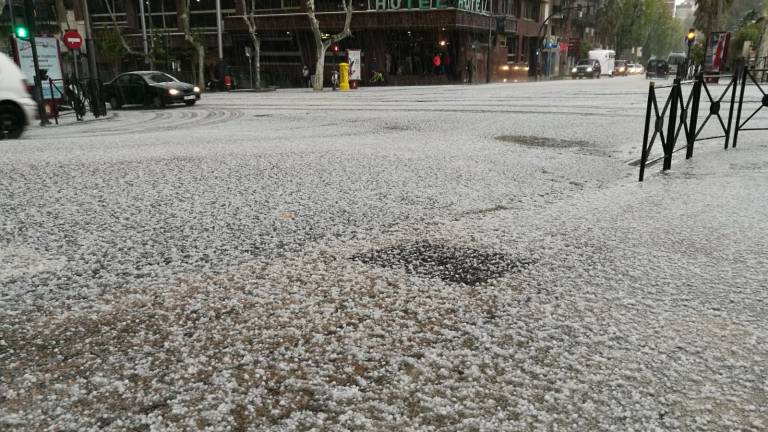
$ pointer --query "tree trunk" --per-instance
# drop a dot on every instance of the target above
(257, 60)
(322, 46)
(317, 84)
(199, 47)
(251, 23)
(61, 15)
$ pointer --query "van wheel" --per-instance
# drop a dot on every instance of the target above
(11, 122)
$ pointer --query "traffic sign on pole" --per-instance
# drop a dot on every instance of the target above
(72, 39)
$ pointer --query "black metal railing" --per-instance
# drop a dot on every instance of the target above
(749, 75)
(681, 114)
(70, 97)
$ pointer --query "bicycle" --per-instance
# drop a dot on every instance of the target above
(377, 78)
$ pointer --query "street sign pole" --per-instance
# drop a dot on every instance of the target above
(29, 18)
(93, 70)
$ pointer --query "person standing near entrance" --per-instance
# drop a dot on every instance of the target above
(436, 62)
(305, 76)
(469, 71)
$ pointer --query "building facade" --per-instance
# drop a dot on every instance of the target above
(474, 40)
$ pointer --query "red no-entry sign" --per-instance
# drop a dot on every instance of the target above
(72, 39)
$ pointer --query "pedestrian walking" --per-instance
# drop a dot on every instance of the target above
(305, 76)
(334, 80)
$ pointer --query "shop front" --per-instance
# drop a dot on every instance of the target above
(408, 42)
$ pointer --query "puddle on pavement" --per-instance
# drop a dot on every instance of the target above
(534, 141)
(451, 264)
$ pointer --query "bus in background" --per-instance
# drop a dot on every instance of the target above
(606, 59)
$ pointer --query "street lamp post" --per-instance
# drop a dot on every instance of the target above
(540, 37)
(690, 39)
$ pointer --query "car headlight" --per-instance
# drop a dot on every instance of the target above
(525, 68)
(621, 69)
(196, 89)
(574, 70)
(589, 69)
(173, 92)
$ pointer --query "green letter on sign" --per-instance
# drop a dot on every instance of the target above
(381, 4)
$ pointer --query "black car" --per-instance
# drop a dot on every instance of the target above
(152, 88)
(589, 68)
(657, 68)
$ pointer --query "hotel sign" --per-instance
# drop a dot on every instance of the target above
(394, 5)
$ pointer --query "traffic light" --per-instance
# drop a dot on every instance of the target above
(335, 48)
(690, 37)
(21, 32)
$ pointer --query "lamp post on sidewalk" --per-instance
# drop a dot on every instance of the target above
(540, 37)
(690, 38)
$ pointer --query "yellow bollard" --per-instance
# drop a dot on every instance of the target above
(344, 76)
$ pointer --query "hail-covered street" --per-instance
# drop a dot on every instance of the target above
(452, 258)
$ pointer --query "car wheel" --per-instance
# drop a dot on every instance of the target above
(11, 122)
(158, 102)
(189, 103)
(115, 103)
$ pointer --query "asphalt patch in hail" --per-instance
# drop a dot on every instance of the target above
(451, 264)
(535, 141)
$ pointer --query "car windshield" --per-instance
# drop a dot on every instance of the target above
(159, 77)
(585, 63)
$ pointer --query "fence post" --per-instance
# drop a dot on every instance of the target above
(734, 82)
(741, 102)
(669, 146)
(649, 105)
(694, 114)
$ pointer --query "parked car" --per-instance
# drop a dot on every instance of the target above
(657, 68)
(635, 68)
(152, 88)
(17, 108)
(620, 68)
(587, 68)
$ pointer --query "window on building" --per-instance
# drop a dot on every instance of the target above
(530, 10)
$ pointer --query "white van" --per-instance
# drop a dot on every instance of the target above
(17, 109)
(606, 58)
(675, 61)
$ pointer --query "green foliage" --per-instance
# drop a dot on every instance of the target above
(697, 53)
(663, 33)
(709, 14)
(625, 24)
(109, 45)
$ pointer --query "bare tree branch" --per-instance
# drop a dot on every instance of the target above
(127, 47)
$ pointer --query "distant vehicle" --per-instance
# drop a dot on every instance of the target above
(152, 88)
(587, 68)
(657, 68)
(635, 68)
(513, 72)
(621, 68)
(17, 108)
(606, 59)
(676, 61)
